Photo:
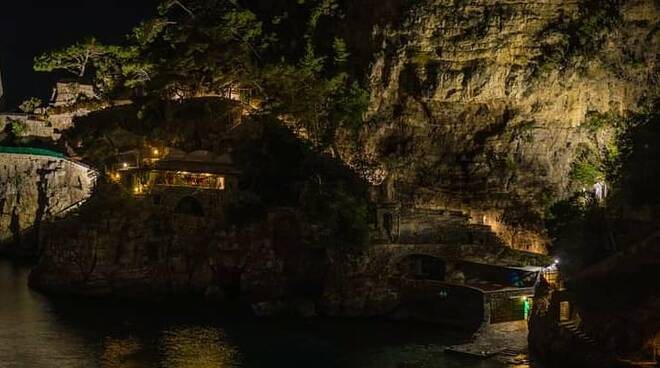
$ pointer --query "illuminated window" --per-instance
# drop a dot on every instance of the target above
(564, 311)
(187, 179)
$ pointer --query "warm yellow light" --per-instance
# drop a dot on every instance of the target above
(124, 165)
(156, 152)
(117, 176)
(524, 298)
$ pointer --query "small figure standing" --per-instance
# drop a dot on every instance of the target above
(600, 191)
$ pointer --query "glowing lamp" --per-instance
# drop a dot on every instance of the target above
(124, 165)
(556, 261)
(156, 152)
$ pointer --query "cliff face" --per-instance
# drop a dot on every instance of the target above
(482, 105)
(34, 188)
(140, 250)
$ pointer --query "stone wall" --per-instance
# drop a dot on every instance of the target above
(68, 93)
(364, 283)
(36, 188)
(31, 126)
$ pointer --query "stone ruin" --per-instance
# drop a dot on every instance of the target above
(69, 93)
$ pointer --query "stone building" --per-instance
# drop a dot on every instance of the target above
(195, 183)
(69, 93)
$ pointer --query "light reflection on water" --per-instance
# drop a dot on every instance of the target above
(39, 331)
(189, 347)
(179, 347)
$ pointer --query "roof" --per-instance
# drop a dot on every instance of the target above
(197, 161)
(31, 151)
(527, 268)
(198, 156)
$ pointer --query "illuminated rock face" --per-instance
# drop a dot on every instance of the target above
(469, 112)
(34, 188)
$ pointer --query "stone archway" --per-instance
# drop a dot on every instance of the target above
(189, 206)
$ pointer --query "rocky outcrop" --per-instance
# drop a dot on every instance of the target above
(145, 248)
(142, 250)
(481, 105)
(36, 188)
(27, 126)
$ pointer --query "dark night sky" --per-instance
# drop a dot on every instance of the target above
(29, 27)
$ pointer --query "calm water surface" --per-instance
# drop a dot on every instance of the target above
(41, 331)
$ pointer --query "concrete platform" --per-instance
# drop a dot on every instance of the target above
(505, 341)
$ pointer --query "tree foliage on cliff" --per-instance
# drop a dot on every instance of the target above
(200, 47)
(585, 230)
(297, 70)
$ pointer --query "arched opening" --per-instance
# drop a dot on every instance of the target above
(421, 267)
(190, 206)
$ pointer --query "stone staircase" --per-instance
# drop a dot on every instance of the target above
(575, 330)
(443, 226)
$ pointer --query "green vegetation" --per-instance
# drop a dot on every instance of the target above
(637, 165)
(30, 105)
(587, 168)
(18, 128)
(281, 170)
(596, 122)
(205, 46)
(575, 229)
(585, 231)
(523, 131)
(510, 163)
(599, 163)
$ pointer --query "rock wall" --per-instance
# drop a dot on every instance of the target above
(27, 126)
(36, 188)
(552, 343)
(481, 105)
(142, 250)
(139, 249)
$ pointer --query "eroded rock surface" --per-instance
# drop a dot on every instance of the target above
(35, 188)
(483, 105)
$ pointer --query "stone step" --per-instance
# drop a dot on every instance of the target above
(572, 327)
